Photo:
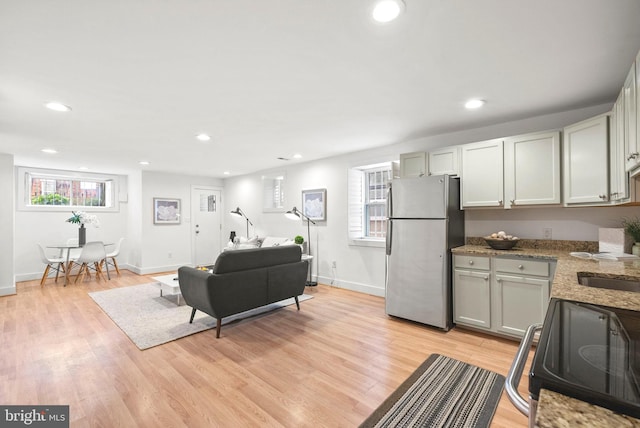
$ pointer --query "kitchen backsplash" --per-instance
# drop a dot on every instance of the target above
(547, 244)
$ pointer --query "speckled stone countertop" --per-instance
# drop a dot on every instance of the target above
(557, 410)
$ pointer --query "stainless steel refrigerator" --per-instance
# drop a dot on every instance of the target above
(424, 222)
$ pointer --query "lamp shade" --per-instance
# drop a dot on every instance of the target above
(293, 214)
(237, 212)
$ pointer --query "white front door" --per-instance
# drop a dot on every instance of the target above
(206, 224)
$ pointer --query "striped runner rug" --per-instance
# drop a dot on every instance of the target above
(442, 392)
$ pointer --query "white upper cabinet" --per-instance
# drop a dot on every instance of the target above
(413, 164)
(517, 171)
(585, 153)
(618, 176)
(630, 120)
(482, 169)
(532, 169)
(444, 161)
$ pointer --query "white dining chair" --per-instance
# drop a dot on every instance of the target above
(55, 263)
(91, 257)
(111, 257)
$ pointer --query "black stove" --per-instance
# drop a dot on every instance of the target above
(591, 353)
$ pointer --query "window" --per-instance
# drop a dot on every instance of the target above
(368, 201)
(52, 189)
(273, 192)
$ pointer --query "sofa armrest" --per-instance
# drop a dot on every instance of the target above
(194, 288)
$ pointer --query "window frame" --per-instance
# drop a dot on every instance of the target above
(358, 201)
(23, 192)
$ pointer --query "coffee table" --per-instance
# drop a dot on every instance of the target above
(169, 285)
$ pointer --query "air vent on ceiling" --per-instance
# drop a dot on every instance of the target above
(284, 159)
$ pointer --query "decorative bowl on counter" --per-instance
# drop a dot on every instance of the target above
(501, 244)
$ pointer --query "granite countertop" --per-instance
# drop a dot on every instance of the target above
(557, 410)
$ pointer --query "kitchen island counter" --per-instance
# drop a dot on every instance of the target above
(554, 409)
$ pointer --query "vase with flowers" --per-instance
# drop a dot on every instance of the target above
(632, 228)
(82, 218)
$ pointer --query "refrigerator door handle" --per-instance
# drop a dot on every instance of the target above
(389, 236)
(389, 202)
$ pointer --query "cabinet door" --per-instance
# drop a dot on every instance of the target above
(586, 169)
(444, 161)
(532, 169)
(482, 174)
(618, 176)
(413, 164)
(630, 120)
(519, 302)
(472, 298)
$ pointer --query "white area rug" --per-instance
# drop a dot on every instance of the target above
(150, 320)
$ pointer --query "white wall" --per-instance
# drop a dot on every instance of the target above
(7, 219)
(362, 268)
(47, 227)
(576, 224)
(158, 241)
(146, 245)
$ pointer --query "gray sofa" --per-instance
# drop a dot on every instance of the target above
(243, 280)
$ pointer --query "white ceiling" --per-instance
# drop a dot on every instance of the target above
(268, 79)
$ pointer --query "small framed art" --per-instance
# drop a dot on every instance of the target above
(314, 204)
(166, 211)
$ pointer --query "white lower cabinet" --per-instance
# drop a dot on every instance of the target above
(472, 292)
(500, 295)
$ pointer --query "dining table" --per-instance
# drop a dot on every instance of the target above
(67, 265)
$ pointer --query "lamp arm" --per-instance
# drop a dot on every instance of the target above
(305, 217)
(245, 216)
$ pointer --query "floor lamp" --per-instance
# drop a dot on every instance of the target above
(296, 214)
(240, 213)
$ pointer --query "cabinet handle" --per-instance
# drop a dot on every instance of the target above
(498, 279)
(614, 194)
(500, 202)
(486, 278)
(520, 267)
(603, 197)
(633, 155)
(513, 202)
(470, 262)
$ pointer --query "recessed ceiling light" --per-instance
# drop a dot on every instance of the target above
(83, 168)
(203, 137)
(51, 151)
(297, 156)
(471, 104)
(56, 106)
(387, 10)
(226, 173)
(143, 163)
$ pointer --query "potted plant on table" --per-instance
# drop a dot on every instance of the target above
(632, 228)
(82, 218)
(300, 241)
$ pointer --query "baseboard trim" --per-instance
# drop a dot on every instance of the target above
(353, 286)
(155, 269)
(7, 290)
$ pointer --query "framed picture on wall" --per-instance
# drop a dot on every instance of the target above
(314, 204)
(166, 211)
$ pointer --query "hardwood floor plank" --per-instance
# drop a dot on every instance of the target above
(328, 365)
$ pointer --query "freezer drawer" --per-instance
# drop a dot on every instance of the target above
(419, 198)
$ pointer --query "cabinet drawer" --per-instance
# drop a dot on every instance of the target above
(472, 262)
(522, 267)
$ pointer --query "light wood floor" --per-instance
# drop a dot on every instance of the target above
(328, 365)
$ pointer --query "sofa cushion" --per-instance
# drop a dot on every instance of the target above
(233, 261)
